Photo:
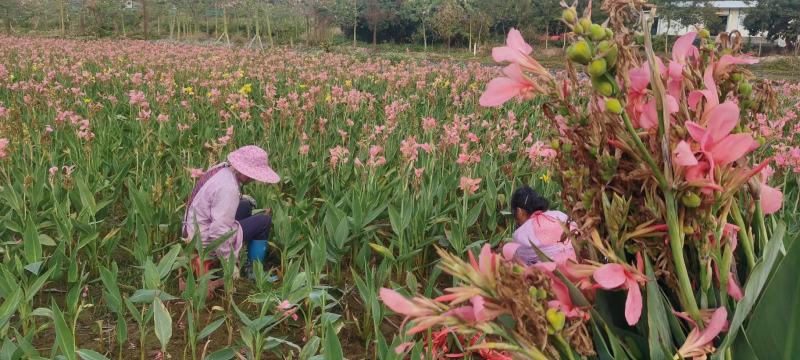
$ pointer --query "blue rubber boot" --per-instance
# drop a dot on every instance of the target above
(256, 253)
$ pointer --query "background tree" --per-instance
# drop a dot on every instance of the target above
(779, 18)
(420, 11)
(447, 20)
(379, 14)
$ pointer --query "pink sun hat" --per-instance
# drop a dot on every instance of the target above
(253, 162)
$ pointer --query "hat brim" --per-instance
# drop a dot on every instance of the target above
(267, 175)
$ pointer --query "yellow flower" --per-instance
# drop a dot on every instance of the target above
(188, 90)
(87, 100)
(209, 94)
(348, 83)
(246, 89)
(473, 86)
(303, 86)
(545, 177)
(328, 98)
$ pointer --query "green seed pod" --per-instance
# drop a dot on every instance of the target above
(691, 200)
(569, 15)
(762, 140)
(586, 23)
(580, 52)
(597, 32)
(555, 144)
(737, 77)
(597, 68)
(704, 34)
(603, 47)
(745, 88)
(688, 230)
(613, 106)
(578, 29)
(533, 292)
(603, 86)
(568, 147)
(555, 318)
(612, 55)
(609, 33)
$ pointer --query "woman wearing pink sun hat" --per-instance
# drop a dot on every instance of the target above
(216, 205)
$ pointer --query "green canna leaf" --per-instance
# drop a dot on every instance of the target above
(163, 323)
(754, 286)
(210, 328)
(31, 243)
(64, 338)
(310, 348)
(659, 336)
(9, 306)
(167, 263)
(224, 354)
(333, 348)
(779, 306)
(87, 354)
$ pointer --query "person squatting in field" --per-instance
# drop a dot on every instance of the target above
(216, 207)
(538, 226)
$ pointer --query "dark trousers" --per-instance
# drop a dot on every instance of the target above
(254, 227)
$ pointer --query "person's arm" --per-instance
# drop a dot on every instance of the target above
(223, 218)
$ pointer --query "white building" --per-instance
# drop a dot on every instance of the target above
(731, 13)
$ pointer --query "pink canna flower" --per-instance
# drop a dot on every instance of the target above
(733, 288)
(399, 304)
(478, 311)
(504, 88)
(428, 124)
(539, 151)
(699, 343)
(613, 276)
(771, 199)
(716, 141)
(195, 173)
(418, 172)
(53, 171)
(162, 118)
(3, 145)
(682, 52)
(468, 185)
(304, 149)
(725, 63)
(517, 52)
(402, 348)
(649, 113)
(683, 155)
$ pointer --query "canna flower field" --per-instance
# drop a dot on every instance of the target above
(391, 227)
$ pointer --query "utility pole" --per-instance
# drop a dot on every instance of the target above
(144, 18)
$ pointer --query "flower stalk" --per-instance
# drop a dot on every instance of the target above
(746, 240)
(676, 245)
(648, 158)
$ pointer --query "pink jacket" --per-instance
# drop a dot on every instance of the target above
(549, 226)
(214, 208)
